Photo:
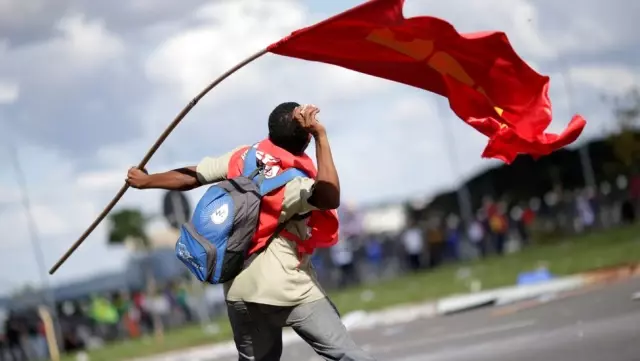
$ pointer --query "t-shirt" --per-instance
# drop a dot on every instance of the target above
(476, 232)
(498, 224)
(412, 241)
(341, 253)
(277, 276)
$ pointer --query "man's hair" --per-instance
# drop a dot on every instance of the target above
(286, 132)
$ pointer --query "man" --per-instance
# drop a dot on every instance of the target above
(16, 331)
(342, 257)
(278, 287)
(477, 236)
(413, 242)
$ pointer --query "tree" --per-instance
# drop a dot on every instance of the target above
(128, 224)
(131, 225)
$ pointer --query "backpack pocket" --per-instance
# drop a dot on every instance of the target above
(196, 253)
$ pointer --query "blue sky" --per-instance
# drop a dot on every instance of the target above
(86, 87)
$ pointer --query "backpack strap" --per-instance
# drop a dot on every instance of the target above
(250, 168)
(268, 185)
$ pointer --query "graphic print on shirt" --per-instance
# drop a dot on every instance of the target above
(271, 167)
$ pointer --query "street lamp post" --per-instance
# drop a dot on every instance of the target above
(462, 192)
(585, 157)
(32, 227)
(34, 237)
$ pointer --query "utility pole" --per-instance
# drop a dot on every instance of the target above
(34, 237)
(583, 151)
(462, 192)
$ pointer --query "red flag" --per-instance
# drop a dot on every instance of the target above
(488, 85)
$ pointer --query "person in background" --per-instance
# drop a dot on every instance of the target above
(585, 210)
(627, 212)
(105, 315)
(16, 330)
(499, 227)
(435, 242)
(318, 263)
(182, 301)
(528, 217)
(375, 255)
(452, 243)
(3, 344)
(476, 235)
(144, 317)
(413, 242)
(37, 336)
(342, 257)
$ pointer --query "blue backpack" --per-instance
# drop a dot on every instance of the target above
(214, 244)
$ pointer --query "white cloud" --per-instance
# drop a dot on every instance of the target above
(230, 31)
(79, 46)
(608, 78)
(9, 92)
(88, 43)
(100, 180)
(8, 195)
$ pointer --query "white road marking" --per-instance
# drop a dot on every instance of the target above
(456, 336)
(561, 339)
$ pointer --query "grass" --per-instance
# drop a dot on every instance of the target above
(564, 257)
(177, 339)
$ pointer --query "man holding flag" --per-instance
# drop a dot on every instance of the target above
(278, 286)
(488, 86)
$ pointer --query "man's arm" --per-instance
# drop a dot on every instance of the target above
(181, 179)
(209, 170)
(326, 192)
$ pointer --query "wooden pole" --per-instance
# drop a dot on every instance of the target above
(150, 153)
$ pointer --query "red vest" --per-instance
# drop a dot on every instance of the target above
(322, 224)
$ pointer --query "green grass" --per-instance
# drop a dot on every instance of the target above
(177, 339)
(564, 257)
(567, 256)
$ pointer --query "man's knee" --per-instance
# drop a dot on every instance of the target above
(319, 324)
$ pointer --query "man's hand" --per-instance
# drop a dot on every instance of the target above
(306, 116)
(137, 178)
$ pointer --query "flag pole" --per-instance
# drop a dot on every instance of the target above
(150, 153)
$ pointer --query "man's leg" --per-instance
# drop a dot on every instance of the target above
(257, 338)
(319, 325)
(241, 327)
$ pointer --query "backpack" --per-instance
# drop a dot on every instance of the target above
(215, 243)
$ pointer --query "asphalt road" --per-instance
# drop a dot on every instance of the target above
(595, 325)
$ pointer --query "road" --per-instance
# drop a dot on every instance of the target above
(596, 325)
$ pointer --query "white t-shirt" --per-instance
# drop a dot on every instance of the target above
(412, 241)
(476, 232)
(341, 253)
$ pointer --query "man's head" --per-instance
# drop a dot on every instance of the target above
(286, 132)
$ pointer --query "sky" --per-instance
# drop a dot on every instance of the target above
(87, 86)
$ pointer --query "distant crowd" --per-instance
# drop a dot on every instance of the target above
(428, 241)
(498, 227)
